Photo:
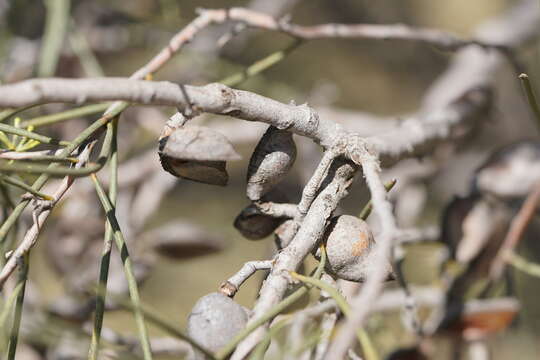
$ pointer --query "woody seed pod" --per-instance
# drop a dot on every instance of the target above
(349, 248)
(254, 225)
(182, 240)
(214, 320)
(271, 161)
(510, 173)
(197, 153)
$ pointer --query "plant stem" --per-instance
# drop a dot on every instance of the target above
(106, 253)
(41, 138)
(128, 267)
(260, 65)
(366, 211)
(22, 185)
(15, 327)
(55, 31)
(525, 82)
(363, 337)
(275, 310)
(66, 115)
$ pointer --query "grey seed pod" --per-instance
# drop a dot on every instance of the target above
(349, 247)
(254, 225)
(214, 320)
(197, 153)
(510, 173)
(271, 161)
(183, 240)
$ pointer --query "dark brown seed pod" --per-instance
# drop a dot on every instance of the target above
(349, 248)
(214, 320)
(254, 225)
(182, 240)
(271, 161)
(197, 153)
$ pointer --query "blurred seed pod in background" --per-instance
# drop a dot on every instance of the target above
(214, 320)
(182, 240)
(254, 225)
(197, 153)
(349, 248)
(272, 159)
(510, 173)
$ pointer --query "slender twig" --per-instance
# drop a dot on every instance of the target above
(65, 115)
(366, 210)
(530, 97)
(22, 185)
(31, 135)
(260, 349)
(361, 303)
(363, 337)
(254, 19)
(128, 268)
(56, 24)
(157, 320)
(80, 46)
(106, 252)
(232, 284)
(314, 183)
(260, 65)
(523, 264)
(271, 313)
(515, 233)
(15, 326)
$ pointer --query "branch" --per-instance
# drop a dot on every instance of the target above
(441, 39)
(231, 285)
(290, 257)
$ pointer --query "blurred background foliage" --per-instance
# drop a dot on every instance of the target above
(387, 78)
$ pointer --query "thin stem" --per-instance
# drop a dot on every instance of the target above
(152, 317)
(15, 327)
(363, 337)
(42, 179)
(41, 138)
(260, 350)
(366, 211)
(106, 253)
(66, 115)
(260, 65)
(271, 313)
(523, 264)
(128, 268)
(22, 185)
(525, 82)
(55, 30)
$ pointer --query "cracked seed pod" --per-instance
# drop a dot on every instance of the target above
(214, 320)
(271, 161)
(197, 153)
(256, 226)
(349, 248)
(510, 173)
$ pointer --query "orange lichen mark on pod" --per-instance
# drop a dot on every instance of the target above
(359, 246)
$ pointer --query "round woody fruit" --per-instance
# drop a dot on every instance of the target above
(271, 161)
(349, 249)
(214, 321)
(196, 153)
